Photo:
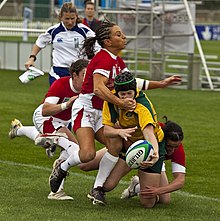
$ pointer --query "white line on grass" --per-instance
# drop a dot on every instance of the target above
(92, 178)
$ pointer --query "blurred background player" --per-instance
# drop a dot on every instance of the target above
(89, 19)
(66, 39)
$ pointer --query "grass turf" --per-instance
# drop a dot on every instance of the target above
(24, 168)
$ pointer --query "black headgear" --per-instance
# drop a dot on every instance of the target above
(172, 130)
(124, 82)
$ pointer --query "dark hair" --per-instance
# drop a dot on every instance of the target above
(124, 82)
(102, 33)
(78, 65)
(172, 131)
(88, 3)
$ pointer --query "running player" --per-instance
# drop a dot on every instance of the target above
(67, 38)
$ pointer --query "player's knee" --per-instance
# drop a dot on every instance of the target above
(83, 167)
(164, 198)
(149, 203)
(87, 156)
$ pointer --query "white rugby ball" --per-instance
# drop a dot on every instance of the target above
(139, 151)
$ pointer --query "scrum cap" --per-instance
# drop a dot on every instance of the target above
(124, 82)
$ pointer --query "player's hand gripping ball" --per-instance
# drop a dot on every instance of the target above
(139, 151)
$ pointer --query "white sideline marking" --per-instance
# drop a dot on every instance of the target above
(182, 193)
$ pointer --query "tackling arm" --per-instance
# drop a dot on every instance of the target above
(105, 94)
(51, 108)
(112, 132)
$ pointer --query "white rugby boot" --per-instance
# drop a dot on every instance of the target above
(130, 191)
(15, 125)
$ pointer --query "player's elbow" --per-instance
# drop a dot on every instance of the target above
(181, 182)
(45, 113)
(97, 91)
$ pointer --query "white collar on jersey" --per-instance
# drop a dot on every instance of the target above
(66, 28)
(72, 87)
(112, 55)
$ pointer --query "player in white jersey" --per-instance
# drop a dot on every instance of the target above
(67, 38)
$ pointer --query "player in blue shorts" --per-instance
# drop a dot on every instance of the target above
(66, 38)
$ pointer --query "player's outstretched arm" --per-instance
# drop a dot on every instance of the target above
(166, 82)
(147, 85)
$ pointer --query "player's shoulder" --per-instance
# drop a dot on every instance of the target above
(101, 56)
(51, 28)
(179, 152)
(63, 81)
(84, 27)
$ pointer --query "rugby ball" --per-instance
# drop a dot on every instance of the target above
(139, 151)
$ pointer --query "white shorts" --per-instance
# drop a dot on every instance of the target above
(85, 116)
(47, 124)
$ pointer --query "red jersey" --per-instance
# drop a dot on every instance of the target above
(178, 156)
(104, 63)
(64, 90)
(94, 24)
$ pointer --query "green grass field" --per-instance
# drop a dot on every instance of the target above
(24, 168)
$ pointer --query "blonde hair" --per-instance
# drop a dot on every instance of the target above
(68, 7)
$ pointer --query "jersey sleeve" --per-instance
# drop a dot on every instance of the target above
(177, 168)
(142, 84)
(109, 115)
(145, 111)
(145, 118)
(179, 156)
(103, 67)
(43, 40)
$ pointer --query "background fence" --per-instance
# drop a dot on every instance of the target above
(14, 54)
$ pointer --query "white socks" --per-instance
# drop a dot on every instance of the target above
(28, 131)
(72, 160)
(66, 144)
(106, 165)
(73, 152)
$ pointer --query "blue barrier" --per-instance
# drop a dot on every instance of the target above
(208, 32)
(108, 4)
